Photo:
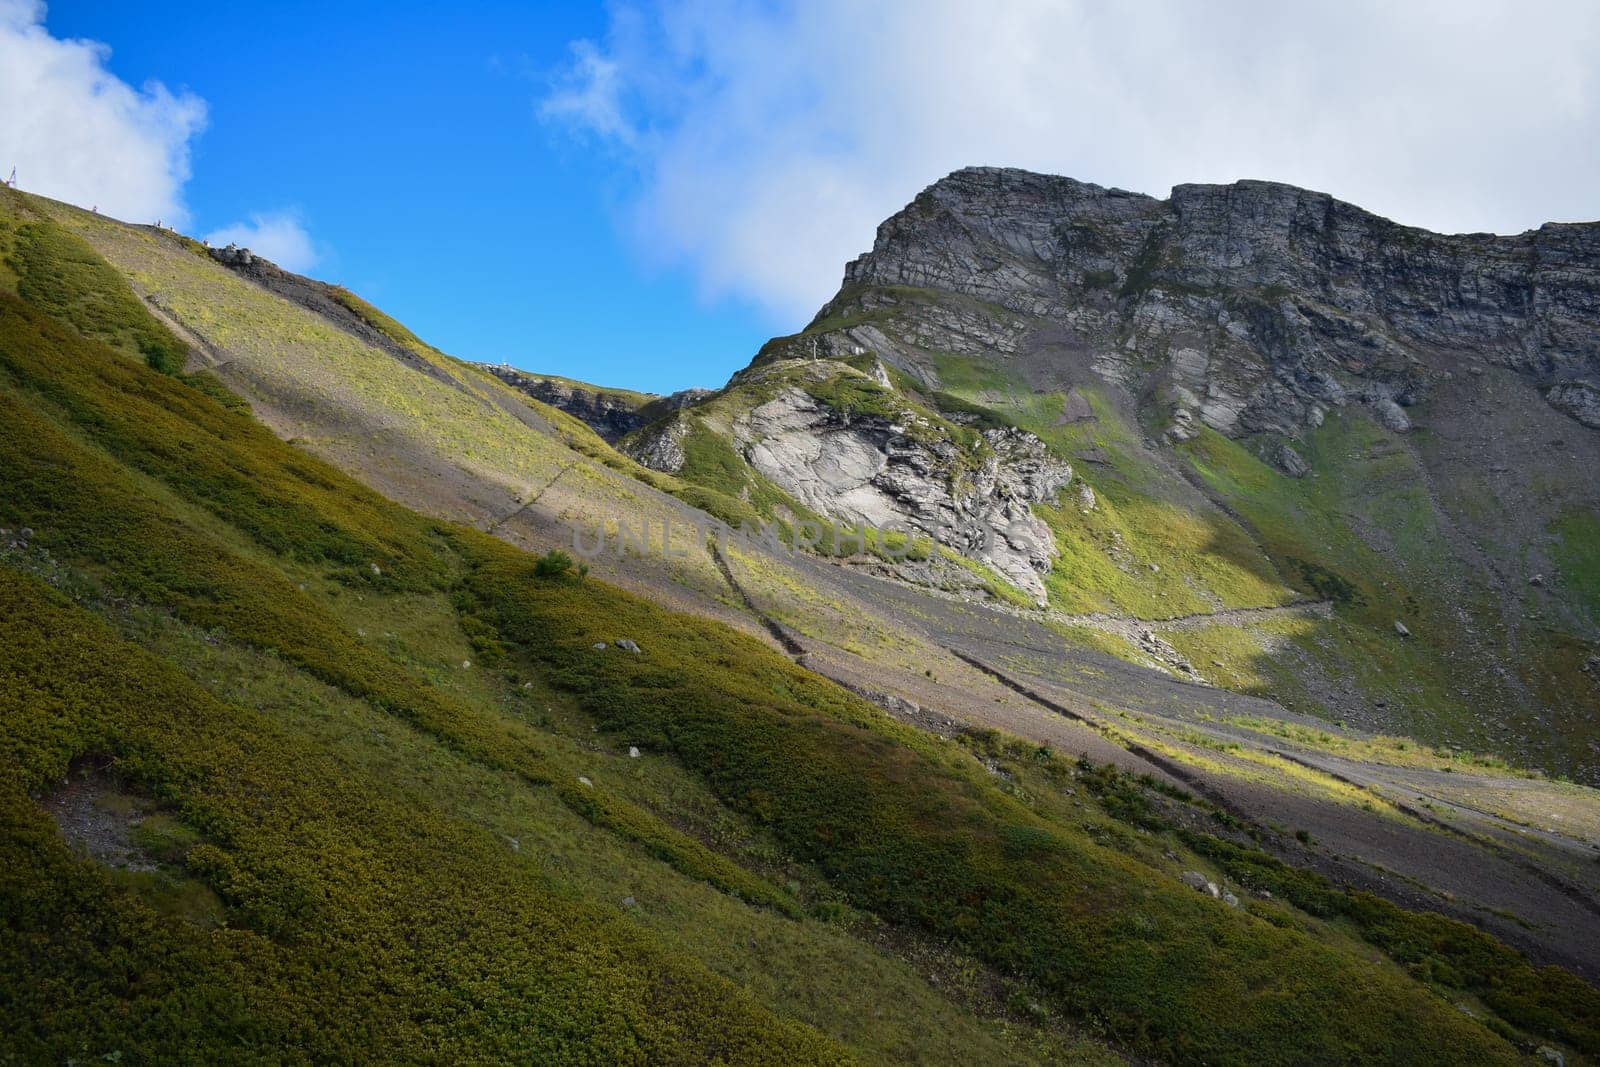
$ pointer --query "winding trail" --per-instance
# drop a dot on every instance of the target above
(1101, 620)
(530, 502)
(1126, 624)
(773, 627)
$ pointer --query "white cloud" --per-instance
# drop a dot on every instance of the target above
(75, 132)
(278, 235)
(766, 142)
(590, 97)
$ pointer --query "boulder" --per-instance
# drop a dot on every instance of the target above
(1579, 400)
(1290, 462)
(1183, 426)
(1391, 415)
(1076, 408)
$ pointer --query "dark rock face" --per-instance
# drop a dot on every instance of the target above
(1254, 307)
(612, 414)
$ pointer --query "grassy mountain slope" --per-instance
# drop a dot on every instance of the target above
(374, 780)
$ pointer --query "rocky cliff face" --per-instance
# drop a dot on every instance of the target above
(612, 413)
(1253, 307)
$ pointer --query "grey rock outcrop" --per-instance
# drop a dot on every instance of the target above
(660, 445)
(905, 474)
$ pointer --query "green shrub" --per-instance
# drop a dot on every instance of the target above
(553, 564)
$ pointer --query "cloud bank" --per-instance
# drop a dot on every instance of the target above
(278, 235)
(764, 143)
(76, 132)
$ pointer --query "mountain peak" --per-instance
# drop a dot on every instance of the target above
(1281, 286)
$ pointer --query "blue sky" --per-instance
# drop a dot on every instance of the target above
(409, 144)
(639, 193)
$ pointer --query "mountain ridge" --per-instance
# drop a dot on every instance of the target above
(1261, 235)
